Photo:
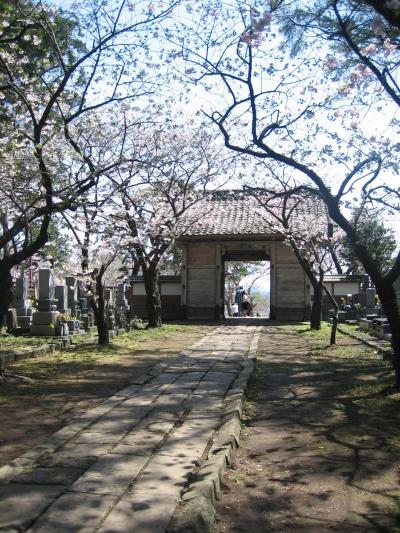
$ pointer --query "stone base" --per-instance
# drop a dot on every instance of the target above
(24, 321)
(62, 330)
(365, 324)
(43, 330)
(290, 313)
(24, 311)
(66, 312)
(20, 304)
(46, 308)
(44, 317)
(73, 326)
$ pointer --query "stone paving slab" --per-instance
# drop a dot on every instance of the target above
(21, 504)
(56, 475)
(123, 465)
(111, 474)
(74, 512)
(151, 515)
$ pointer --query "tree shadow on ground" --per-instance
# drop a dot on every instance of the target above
(321, 445)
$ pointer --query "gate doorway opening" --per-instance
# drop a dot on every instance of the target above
(254, 278)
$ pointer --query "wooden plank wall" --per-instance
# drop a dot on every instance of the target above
(201, 280)
(290, 285)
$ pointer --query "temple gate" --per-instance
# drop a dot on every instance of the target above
(233, 229)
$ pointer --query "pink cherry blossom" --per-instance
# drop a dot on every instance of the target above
(331, 63)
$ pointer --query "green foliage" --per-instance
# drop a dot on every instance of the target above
(38, 43)
(305, 24)
(379, 239)
(58, 246)
(172, 262)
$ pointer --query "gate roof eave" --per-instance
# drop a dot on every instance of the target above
(230, 237)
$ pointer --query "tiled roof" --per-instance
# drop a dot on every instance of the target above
(225, 213)
(232, 214)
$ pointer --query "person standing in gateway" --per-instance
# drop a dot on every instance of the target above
(239, 299)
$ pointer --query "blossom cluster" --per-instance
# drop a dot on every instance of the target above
(259, 25)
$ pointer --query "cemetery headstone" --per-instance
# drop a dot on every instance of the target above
(370, 297)
(122, 308)
(12, 322)
(109, 297)
(44, 321)
(61, 295)
(72, 294)
(121, 301)
(110, 320)
(22, 304)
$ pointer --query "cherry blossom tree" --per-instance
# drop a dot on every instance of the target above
(171, 173)
(57, 67)
(296, 111)
(99, 248)
(303, 221)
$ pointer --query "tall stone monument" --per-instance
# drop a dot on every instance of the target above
(44, 321)
(61, 295)
(22, 304)
(121, 301)
(72, 294)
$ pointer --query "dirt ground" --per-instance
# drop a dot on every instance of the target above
(65, 384)
(321, 444)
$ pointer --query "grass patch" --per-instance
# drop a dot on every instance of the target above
(358, 380)
(345, 347)
(10, 342)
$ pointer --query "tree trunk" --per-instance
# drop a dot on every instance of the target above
(388, 298)
(153, 297)
(5, 291)
(84, 259)
(334, 327)
(98, 306)
(9, 261)
(316, 308)
(335, 316)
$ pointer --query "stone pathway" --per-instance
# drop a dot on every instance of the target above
(122, 466)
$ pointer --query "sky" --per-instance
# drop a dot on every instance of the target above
(214, 98)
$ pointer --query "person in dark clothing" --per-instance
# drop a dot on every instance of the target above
(239, 299)
(246, 305)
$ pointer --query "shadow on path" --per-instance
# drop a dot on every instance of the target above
(320, 449)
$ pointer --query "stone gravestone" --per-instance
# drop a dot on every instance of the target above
(359, 298)
(21, 293)
(44, 321)
(12, 322)
(72, 294)
(61, 295)
(83, 305)
(109, 298)
(370, 297)
(110, 320)
(121, 301)
(22, 304)
(122, 306)
(370, 304)
(86, 317)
